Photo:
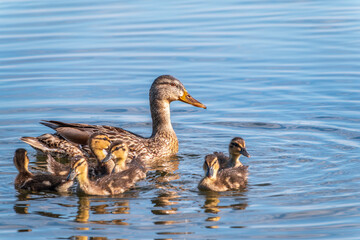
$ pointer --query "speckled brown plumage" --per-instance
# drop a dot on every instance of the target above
(98, 144)
(224, 179)
(54, 144)
(26, 180)
(163, 141)
(112, 184)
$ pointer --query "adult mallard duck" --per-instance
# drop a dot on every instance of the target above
(98, 144)
(36, 182)
(112, 184)
(162, 142)
(224, 179)
(236, 149)
(118, 152)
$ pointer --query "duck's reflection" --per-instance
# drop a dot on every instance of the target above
(22, 208)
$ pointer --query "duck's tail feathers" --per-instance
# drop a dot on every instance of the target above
(35, 143)
(53, 124)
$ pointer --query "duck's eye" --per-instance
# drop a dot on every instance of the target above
(173, 84)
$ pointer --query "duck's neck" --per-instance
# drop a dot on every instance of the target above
(83, 178)
(235, 160)
(100, 154)
(120, 165)
(160, 114)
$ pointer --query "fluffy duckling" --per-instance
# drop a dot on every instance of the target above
(116, 183)
(98, 143)
(236, 149)
(36, 182)
(118, 151)
(162, 142)
(224, 179)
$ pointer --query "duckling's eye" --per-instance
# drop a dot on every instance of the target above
(173, 84)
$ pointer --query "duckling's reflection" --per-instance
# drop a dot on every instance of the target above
(22, 208)
(163, 203)
(85, 210)
(211, 205)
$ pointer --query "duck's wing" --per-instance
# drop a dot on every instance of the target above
(79, 133)
(54, 144)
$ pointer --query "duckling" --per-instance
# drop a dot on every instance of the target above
(113, 184)
(224, 179)
(98, 143)
(162, 142)
(118, 150)
(236, 149)
(36, 182)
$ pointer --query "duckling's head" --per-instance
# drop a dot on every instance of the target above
(99, 143)
(79, 166)
(118, 150)
(167, 88)
(21, 160)
(211, 166)
(237, 147)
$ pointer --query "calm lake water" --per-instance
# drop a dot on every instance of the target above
(284, 75)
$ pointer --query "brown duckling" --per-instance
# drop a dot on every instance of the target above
(118, 151)
(36, 182)
(98, 143)
(236, 149)
(112, 184)
(223, 179)
(162, 142)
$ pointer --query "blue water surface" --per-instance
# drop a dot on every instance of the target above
(284, 75)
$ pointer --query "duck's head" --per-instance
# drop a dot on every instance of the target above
(168, 88)
(211, 166)
(99, 143)
(79, 166)
(237, 147)
(118, 151)
(21, 160)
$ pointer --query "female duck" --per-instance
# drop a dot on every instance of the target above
(36, 182)
(98, 143)
(162, 142)
(236, 149)
(224, 179)
(112, 184)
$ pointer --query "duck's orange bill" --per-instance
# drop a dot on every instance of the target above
(187, 98)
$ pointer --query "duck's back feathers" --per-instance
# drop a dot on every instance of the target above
(56, 168)
(226, 179)
(46, 182)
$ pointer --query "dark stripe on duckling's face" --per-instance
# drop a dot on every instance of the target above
(77, 167)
